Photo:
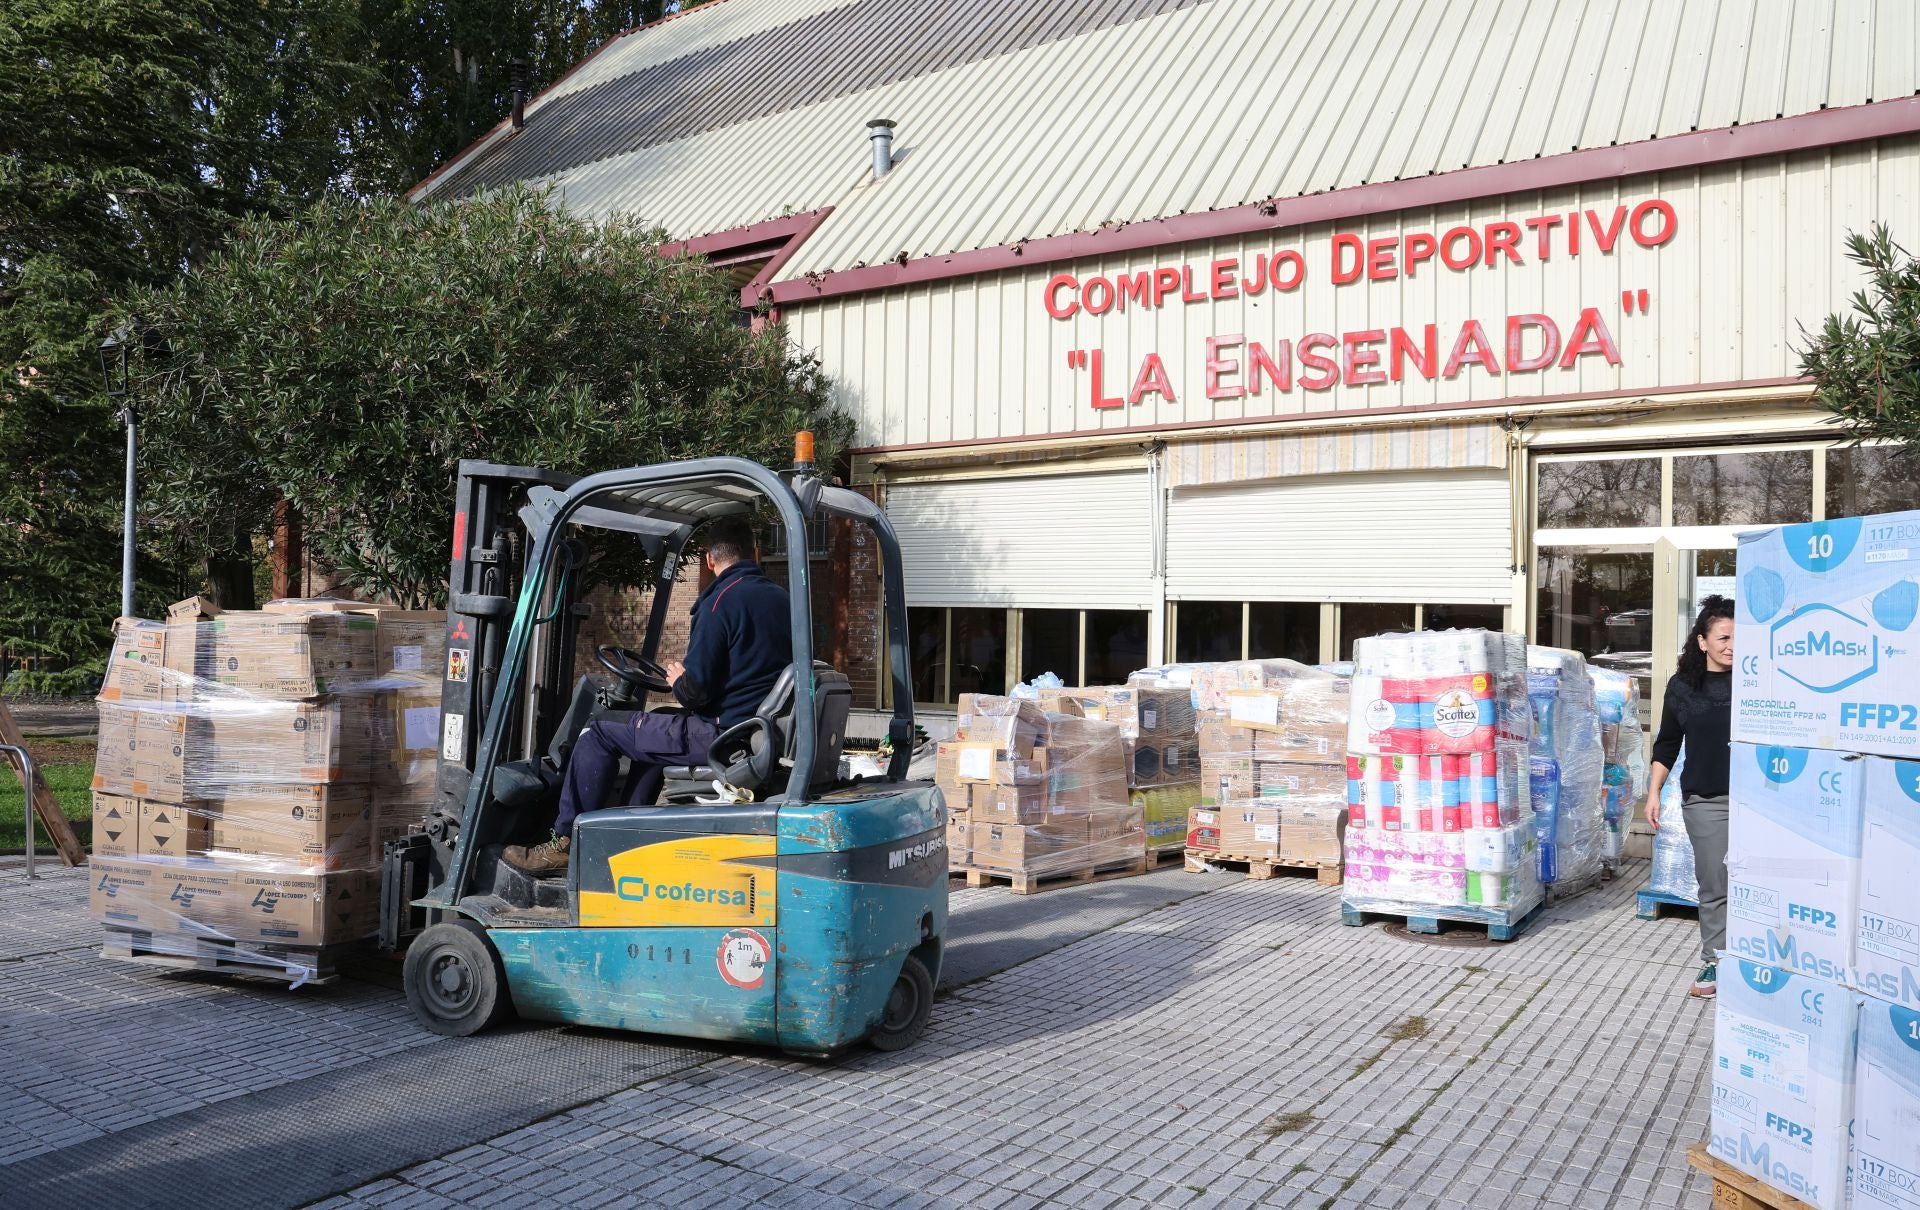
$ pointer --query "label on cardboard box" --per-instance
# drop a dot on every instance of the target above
(116, 824)
(1793, 857)
(1824, 630)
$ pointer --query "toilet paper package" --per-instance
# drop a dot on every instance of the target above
(1824, 641)
(1887, 940)
(1886, 1108)
(1783, 1074)
(1793, 857)
(1448, 691)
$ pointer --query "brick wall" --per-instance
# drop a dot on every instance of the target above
(620, 617)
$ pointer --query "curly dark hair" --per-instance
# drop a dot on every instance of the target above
(1693, 660)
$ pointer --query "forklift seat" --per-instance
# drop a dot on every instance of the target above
(755, 755)
(523, 784)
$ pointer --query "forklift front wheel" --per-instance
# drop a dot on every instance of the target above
(454, 981)
(908, 1007)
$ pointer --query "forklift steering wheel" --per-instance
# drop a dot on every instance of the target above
(633, 668)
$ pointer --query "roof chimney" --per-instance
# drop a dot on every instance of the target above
(517, 80)
(880, 130)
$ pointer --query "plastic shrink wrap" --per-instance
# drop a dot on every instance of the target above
(250, 766)
(1673, 872)
(1616, 698)
(1037, 793)
(1567, 767)
(1437, 776)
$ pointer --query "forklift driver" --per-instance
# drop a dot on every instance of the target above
(740, 644)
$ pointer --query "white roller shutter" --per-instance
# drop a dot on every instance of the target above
(1054, 541)
(1419, 537)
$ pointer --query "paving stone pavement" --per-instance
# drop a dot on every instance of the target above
(1234, 1047)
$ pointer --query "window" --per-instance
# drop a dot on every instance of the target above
(1050, 642)
(1116, 645)
(1283, 630)
(1599, 493)
(1867, 479)
(1463, 617)
(1770, 488)
(1596, 602)
(1208, 631)
(927, 647)
(979, 641)
(1359, 621)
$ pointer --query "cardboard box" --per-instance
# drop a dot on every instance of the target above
(1114, 837)
(1215, 736)
(1073, 702)
(1203, 830)
(160, 741)
(1250, 829)
(304, 908)
(303, 827)
(196, 895)
(113, 756)
(1299, 779)
(125, 891)
(1823, 626)
(1225, 779)
(1012, 804)
(1886, 1108)
(283, 741)
(1012, 724)
(1886, 941)
(1312, 832)
(137, 664)
(412, 646)
(959, 841)
(1052, 848)
(1148, 712)
(116, 825)
(192, 609)
(290, 653)
(1020, 770)
(1783, 1071)
(1793, 857)
(406, 731)
(965, 762)
(1163, 762)
(172, 829)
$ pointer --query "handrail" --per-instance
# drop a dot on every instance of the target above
(27, 779)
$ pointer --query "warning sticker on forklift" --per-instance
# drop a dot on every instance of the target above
(453, 735)
(743, 958)
(457, 664)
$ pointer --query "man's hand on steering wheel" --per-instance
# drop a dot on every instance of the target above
(634, 669)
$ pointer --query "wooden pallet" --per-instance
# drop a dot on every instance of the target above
(1259, 869)
(1647, 904)
(1171, 855)
(1501, 925)
(1032, 884)
(1735, 1190)
(295, 965)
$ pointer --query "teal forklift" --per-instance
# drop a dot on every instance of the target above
(764, 897)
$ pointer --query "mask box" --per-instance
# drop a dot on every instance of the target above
(1886, 941)
(1793, 857)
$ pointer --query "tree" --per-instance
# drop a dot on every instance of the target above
(347, 360)
(1866, 365)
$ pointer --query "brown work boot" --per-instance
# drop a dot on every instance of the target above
(539, 860)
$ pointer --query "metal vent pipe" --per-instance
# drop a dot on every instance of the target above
(880, 130)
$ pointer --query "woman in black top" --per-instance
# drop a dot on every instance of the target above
(1699, 713)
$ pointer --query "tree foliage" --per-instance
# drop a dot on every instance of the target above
(1865, 363)
(138, 133)
(349, 359)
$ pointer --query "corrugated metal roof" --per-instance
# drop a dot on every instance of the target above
(841, 50)
(1219, 104)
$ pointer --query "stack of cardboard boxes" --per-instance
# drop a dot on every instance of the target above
(1159, 741)
(1036, 793)
(1273, 783)
(1817, 1030)
(241, 759)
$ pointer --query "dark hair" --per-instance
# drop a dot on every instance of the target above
(1693, 661)
(730, 539)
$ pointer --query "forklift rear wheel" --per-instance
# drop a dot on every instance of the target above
(908, 1007)
(455, 984)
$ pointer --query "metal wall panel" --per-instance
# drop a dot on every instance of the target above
(1757, 253)
(1420, 538)
(1078, 541)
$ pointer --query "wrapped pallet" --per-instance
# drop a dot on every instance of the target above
(1567, 768)
(1035, 795)
(244, 759)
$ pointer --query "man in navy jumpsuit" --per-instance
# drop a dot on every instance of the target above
(741, 642)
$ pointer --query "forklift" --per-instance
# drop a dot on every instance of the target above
(765, 897)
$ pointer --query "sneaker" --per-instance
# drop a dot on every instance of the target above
(1707, 982)
(539, 860)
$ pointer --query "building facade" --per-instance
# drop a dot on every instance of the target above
(1200, 329)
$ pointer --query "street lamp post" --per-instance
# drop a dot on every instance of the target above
(113, 369)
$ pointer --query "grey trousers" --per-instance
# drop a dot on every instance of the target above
(1706, 820)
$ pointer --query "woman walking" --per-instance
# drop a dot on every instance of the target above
(1699, 715)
